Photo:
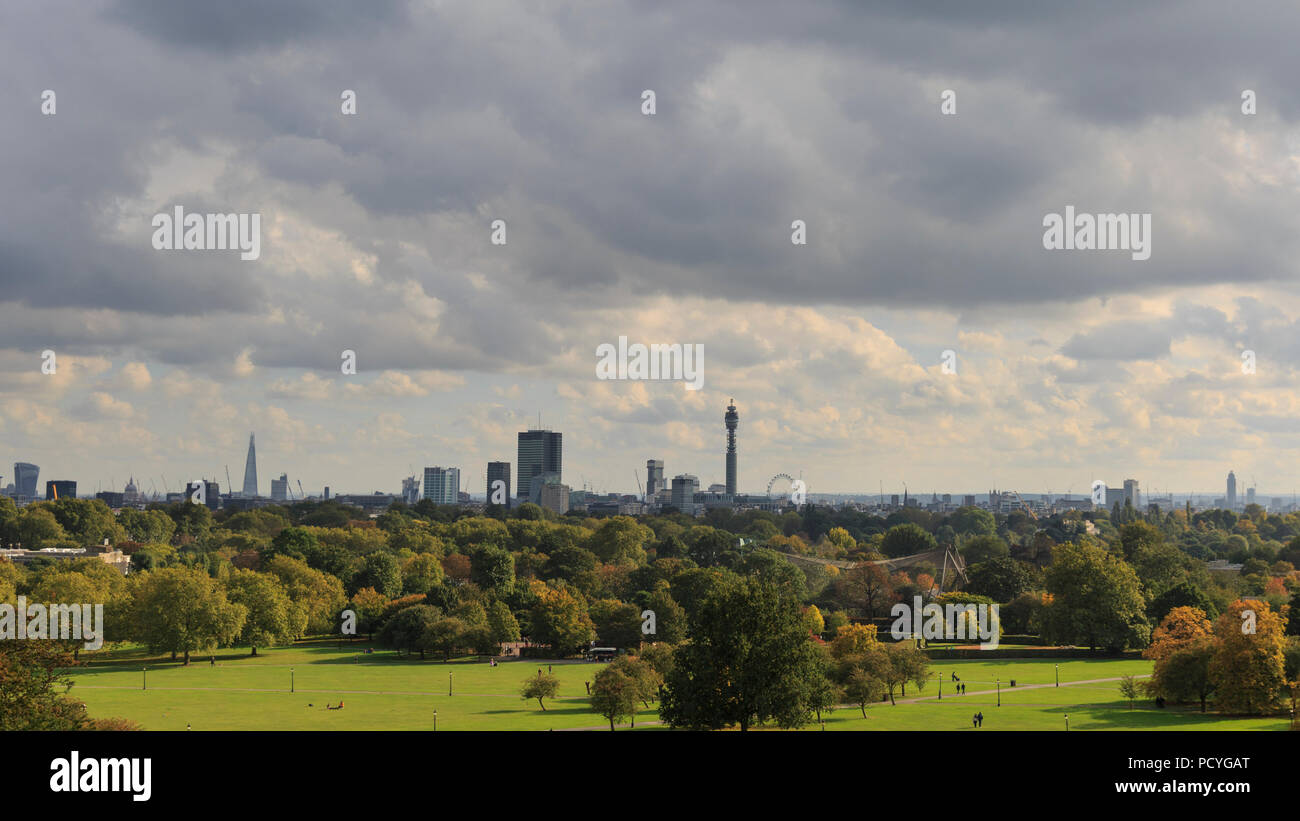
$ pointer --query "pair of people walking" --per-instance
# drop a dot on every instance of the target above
(977, 720)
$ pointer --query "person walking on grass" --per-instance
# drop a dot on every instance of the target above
(980, 717)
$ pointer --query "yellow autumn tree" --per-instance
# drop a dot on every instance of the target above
(853, 640)
(1248, 669)
(1180, 628)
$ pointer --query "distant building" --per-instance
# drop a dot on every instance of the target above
(1131, 494)
(654, 477)
(280, 488)
(112, 499)
(1250, 495)
(540, 452)
(25, 474)
(60, 489)
(685, 486)
(371, 503)
(112, 557)
(131, 495)
(554, 496)
(411, 490)
(1232, 491)
(211, 493)
(441, 485)
(499, 472)
(250, 471)
(731, 419)
(968, 501)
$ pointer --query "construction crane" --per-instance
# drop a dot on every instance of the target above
(164, 481)
(1024, 506)
(302, 494)
(640, 490)
(230, 487)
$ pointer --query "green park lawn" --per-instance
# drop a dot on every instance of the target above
(384, 692)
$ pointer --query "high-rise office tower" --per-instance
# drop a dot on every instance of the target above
(1232, 491)
(498, 472)
(732, 419)
(250, 471)
(654, 477)
(1131, 494)
(25, 474)
(685, 486)
(442, 485)
(59, 489)
(540, 452)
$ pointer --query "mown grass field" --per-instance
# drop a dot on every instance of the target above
(384, 692)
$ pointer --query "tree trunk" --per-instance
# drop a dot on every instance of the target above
(173, 655)
(611, 724)
(254, 652)
(540, 704)
(187, 658)
(864, 710)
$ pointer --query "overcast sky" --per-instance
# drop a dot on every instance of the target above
(924, 235)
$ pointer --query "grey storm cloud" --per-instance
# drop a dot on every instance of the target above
(505, 110)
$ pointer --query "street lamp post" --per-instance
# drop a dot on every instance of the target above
(435, 721)
(999, 682)
(449, 675)
(1058, 675)
(941, 686)
(144, 678)
(291, 679)
(1067, 722)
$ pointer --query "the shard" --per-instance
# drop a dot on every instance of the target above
(250, 471)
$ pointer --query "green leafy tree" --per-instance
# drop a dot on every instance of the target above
(620, 540)
(421, 573)
(410, 629)
(146, 525)
(319, 594)
(560, 619)
(972, 521)
(670, 617)
(381, 571)
(540, 686)
(984, 548)
(273, 618)
(1096, 599)
(614, 695)
(1000, 579)
(493, 568)
(33, 687)
(907, 539)
(618, 623)
(749, 661)
(181, 610)
(1184, 674)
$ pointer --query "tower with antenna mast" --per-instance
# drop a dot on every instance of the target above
(732, 420)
